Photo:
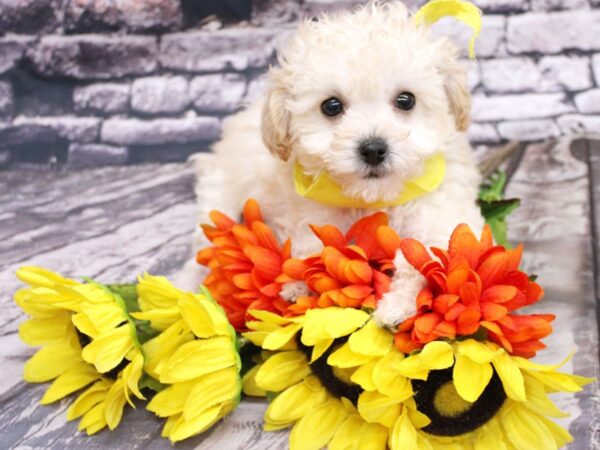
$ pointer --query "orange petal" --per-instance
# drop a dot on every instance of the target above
(468, 322)
(493, 311)
(427, 322)
(464, 243)
(265, 261)
(251, 211)
(470, 294)
(364, 231)
(498, 294)
(295, 268)
(404, 342)
(415, 253)
(388, 240)
(424, 299)
(493, 269)
(487, 238)
(265, 235)
(221, 221)
(330, 236)
(445, 329)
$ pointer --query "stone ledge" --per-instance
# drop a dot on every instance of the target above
(95, 155)
(528, 130)
(160, 94)
(70, 128)
(103, 98)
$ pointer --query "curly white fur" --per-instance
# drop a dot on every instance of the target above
(366, 58)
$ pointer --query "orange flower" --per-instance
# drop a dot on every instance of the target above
(353, 270)
(473, 286)
(244, 261)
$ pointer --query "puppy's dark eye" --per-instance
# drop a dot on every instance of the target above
(332, 107)
(405, 101)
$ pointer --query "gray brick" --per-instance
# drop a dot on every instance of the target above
(6, 98)
(596, 65)
(474, 76)
(588, 102)
(571, 73)
(211, 51)
(12, 49)
(576, 124)
(95, 56)
(554, 32)
(553, 5)
(217, 93)
(483, 133)
(159, 131)
(153, 95)
(133, 15)
(516, 107)
(275, 13)
(502, 5)
(528, 130)
(16, 135)
(29, 16)
(255, 90)
(104, 98)
(5, 158)
(489, 43)
(79, 129)
(510, 75)
(94, 155)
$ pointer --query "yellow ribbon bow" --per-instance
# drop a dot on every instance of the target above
(324, 190)
(465, 12)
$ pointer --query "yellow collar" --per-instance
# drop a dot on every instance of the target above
(324, 190)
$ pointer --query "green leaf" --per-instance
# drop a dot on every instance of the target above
(147, 382)
(128, 292)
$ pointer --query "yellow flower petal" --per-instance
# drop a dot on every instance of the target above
(524, 430)
(131, 376)
(93, 395)
(559, 434)
(40, 303)
(477, 351)
(171, 400)
(490, 437)
(371, 340)
(470, 377)
(115, 402)
(561, 382)
(314, 430)
(537, 399)
(334, 322)
(199, 357)
(345, 357)
(72, 380)
(319, 348)
(160, 319)
(282, 370)
(510, 374)
(51, 361)
(347, 435)
(156, 293)
(45, 331)
(378, 408)
(205, 318)
(437, 355)
(404, 434)
(38, 276)
(93, 420)
(249, 385)
(109, 349)
(388, 381)
(411, 367)
(295, 402)
(212, 389)
(103, 316)
(272, 318)
(363, 376)
(183, 429)
(281, 336)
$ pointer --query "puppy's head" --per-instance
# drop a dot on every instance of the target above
(366, 96)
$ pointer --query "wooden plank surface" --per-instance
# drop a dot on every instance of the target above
(116, 222)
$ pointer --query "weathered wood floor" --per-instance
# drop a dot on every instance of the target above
(114, 223)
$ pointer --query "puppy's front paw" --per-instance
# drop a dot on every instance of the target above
(400, 303)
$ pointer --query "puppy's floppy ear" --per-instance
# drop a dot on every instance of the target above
(276, 120)
(457, 88)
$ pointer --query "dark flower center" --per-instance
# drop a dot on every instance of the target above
(327, 375)
(451, 415)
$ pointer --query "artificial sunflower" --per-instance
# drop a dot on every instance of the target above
(87, 341)
(244, 261)
(471, 286)
(340, 381)
(195, 357)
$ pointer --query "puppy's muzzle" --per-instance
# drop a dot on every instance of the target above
(373, 151)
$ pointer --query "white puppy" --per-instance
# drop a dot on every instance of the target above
(365, 97)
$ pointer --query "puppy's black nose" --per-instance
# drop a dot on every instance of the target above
(373, 150)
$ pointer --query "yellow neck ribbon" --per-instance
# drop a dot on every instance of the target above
(324, 190)
(463, 11)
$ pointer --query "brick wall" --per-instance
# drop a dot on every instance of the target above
(95, 82)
